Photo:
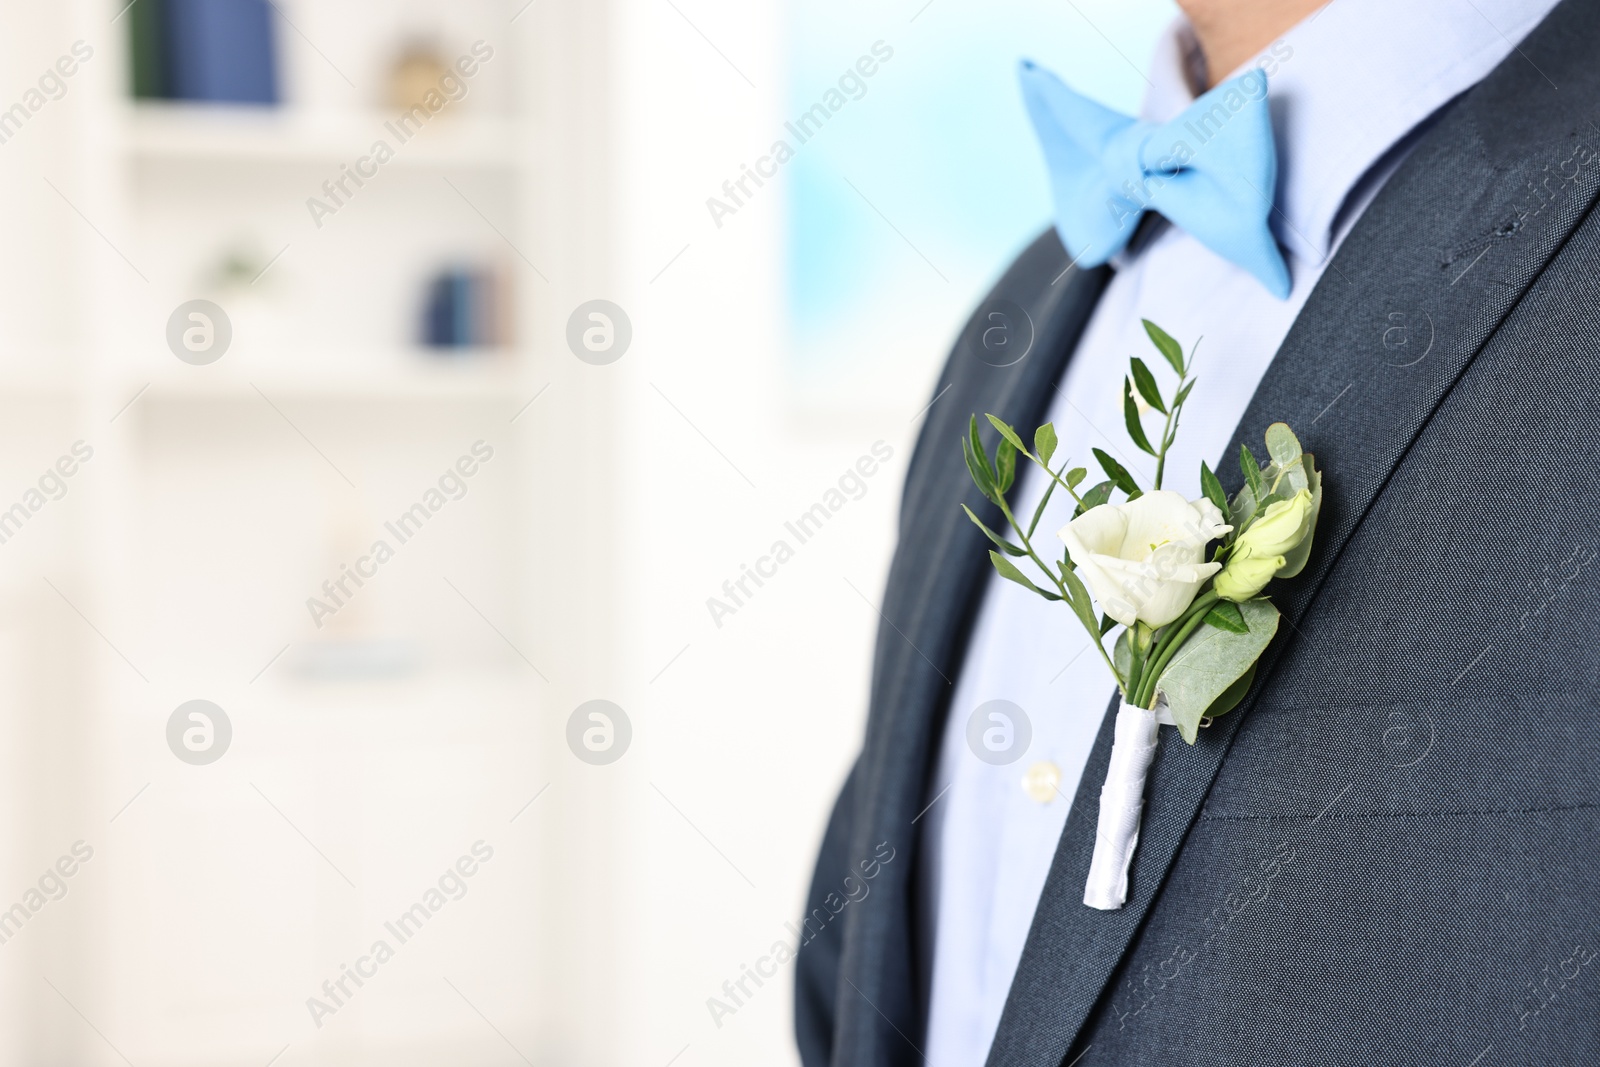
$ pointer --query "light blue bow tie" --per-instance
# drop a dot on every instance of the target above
(1211, 171)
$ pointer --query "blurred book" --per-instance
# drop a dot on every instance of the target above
(465, 308)
(147, 33)
(207, 51)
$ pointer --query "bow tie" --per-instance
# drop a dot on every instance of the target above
(1211, 171)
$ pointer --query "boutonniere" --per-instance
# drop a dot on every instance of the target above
(1183, 579)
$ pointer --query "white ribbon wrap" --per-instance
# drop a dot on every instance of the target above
(1121, 803)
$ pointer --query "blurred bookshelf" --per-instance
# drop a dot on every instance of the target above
(199, 134)
(221, 497)
(211, 198)
(411, 374)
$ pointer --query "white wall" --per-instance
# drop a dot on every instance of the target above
(578, 566)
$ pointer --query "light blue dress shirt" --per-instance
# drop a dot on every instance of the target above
(1347, 87)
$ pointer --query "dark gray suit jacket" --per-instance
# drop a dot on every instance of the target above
(1390, 853)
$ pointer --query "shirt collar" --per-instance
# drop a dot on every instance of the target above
(1345, 85)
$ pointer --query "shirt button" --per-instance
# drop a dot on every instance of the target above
(1041, 781)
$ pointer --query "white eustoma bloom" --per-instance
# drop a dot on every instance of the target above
(1144, 560)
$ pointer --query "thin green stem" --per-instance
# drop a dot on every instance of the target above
(1138, 649)
(1054, 475)
(1166, 440)
(1049, 491)
(1171, 640)
(1027, 546)
(1169, 431)
(1095, 639)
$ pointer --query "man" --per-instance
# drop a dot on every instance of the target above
(1390, 851)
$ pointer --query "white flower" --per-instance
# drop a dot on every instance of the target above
(1145, 560)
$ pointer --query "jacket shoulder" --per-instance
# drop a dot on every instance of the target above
(1002, 331)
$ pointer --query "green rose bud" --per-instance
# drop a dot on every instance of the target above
(1258, 554)
(1245, 576)
(1279, 529)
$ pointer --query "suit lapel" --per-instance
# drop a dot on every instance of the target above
(934, 584)
(1432, 268)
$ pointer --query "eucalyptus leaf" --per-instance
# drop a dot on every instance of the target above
(1005, 546)
(1130, 417)
(1008, 433)
(1284, 475)
(1009, 570)
(1146, 383)
(1242, 510)
(1295, 477)
(1279, 484)
(1122, 654)
(1294, 560)
(1005, 465)
(1044, 442)
(1232, 695)
(1165, 345)
(1210, 662)
(1118, 474)
(1283, 446)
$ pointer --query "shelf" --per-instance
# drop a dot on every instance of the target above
(396, 376)
(223, 135)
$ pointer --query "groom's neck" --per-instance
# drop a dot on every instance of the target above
(1231, 31)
